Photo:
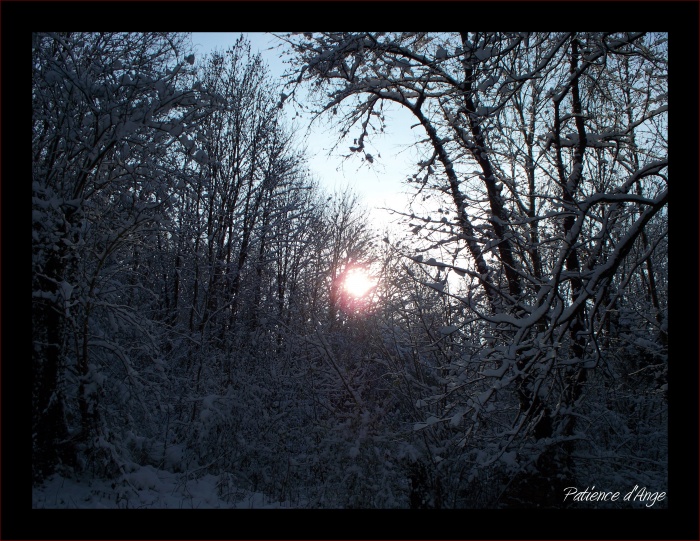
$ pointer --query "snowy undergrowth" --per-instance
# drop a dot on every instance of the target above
(147, 488)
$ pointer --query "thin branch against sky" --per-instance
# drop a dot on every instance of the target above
(380, 184)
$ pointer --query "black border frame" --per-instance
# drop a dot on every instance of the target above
(679, 521)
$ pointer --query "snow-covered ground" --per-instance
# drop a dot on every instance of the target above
(147, 488)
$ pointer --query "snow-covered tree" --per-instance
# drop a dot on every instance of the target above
(106, 108)
(551, 149)
(193, 308)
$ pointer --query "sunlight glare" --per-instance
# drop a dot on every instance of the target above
(358, 283)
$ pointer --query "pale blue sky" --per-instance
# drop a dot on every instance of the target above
(380, 185)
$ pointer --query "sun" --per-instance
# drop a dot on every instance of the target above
(358, 282)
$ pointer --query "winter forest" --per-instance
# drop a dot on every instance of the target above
(212, 328)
